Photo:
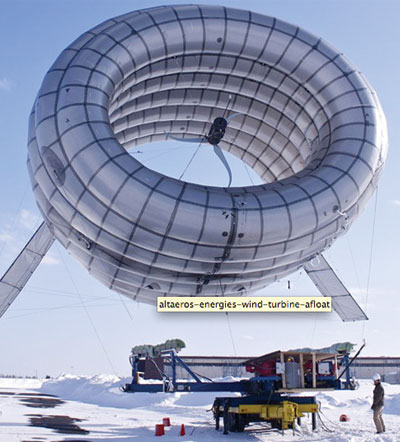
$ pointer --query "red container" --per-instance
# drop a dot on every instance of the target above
(267, 368)
(159, 430)
(166, 422)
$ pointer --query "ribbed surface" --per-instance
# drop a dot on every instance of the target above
(311, 127)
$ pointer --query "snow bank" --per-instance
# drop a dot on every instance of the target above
(104, 391)
(392, 405)
(361, 399)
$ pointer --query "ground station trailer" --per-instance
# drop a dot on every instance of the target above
(271, 395)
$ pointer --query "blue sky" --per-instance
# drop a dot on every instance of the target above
(65, 321)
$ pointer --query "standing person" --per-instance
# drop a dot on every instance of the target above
(378, 403)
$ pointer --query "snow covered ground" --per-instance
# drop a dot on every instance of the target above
(94, 409)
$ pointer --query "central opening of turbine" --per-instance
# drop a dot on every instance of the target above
(272, 127)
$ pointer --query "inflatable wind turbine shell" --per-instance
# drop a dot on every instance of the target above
(308, 124)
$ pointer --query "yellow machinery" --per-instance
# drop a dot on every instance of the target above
(283, 415)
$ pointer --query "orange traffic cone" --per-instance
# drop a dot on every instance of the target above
(166, 422)
(182, 433)
(159, 430)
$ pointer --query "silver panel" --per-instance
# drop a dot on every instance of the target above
(328, 283)
(18, 274)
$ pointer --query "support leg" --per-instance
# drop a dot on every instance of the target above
(314, 421)
(217, 416)
(226, 417)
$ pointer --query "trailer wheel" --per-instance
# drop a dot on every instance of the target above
(240, 423)
(237, 423)
(276, 423)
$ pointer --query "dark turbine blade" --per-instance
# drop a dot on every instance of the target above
(186, 140)
(220, 154)
(231, 117)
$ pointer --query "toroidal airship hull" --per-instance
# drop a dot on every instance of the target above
(308, 123)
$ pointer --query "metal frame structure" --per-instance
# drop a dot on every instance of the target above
(171, 384)
(263, 398)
